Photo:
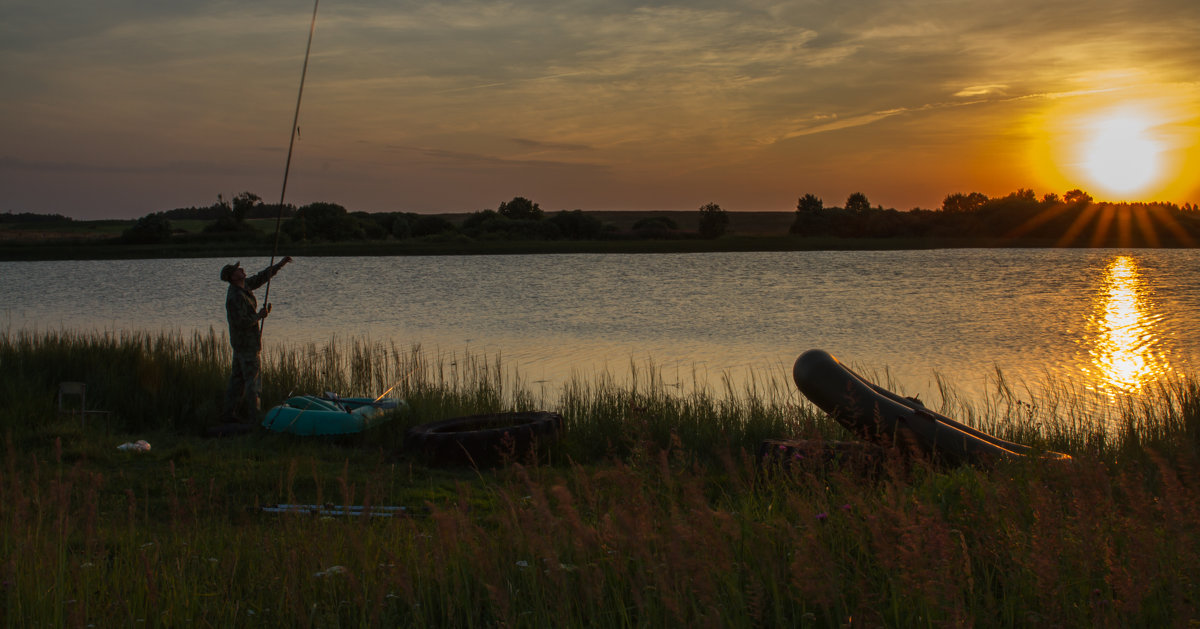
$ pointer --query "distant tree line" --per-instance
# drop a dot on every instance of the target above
(1073, 219)
(29, 217)
(517, 219)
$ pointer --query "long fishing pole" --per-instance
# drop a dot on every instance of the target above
(312, 27)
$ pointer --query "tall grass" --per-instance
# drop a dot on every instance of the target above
(653, 510)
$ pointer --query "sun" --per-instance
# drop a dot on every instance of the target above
(1135, 140)
(1119, 153)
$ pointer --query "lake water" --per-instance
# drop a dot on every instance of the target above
(1106, 321)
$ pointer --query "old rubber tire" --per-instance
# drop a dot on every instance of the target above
(482, 440)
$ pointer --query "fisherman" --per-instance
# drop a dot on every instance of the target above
(241, 307)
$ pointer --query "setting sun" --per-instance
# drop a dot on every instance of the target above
(1121, 156)
(1119, 146)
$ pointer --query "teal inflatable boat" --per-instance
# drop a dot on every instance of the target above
(329, 414)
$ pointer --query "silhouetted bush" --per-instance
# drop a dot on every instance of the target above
(324, 221)
(575, 225)
(427, 225)
(149, 229)
(661, 227)
(713, 221)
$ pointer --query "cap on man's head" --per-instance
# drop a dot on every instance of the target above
(228, 269)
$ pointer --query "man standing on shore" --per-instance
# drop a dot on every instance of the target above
(241, 308)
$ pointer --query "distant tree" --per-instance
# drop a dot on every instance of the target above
(656, 227)
(149, 229)
(243, 203)
(520, 208)
(428, 225)
(857, 202)
(371, 228)
(1023, 195)
(206, 213)
(810, 203)
(1077, 196)
(1051, 198)
(481, 221)
(811, 217)
(230, 217)
(713, 221)
(962, 203)
(323, 221)
(401, 228)
(577, 225)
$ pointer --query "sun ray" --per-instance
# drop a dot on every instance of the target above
(1077, 226)
(1145, 225)
(1037, 220)
(1103, 222)
(1165, 219)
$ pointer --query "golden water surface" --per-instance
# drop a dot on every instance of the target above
(1122, 332)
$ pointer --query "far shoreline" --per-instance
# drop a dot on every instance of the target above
(69, 249)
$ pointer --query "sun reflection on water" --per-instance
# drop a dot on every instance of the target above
(1122, 331)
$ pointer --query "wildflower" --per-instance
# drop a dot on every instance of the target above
(822, 516)
(522, 564)
(846, 507)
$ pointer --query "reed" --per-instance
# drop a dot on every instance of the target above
(653, 511)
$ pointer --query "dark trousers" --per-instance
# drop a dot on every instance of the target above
(245, 384)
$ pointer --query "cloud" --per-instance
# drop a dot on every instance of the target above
(550, 146)
(980, 90)
(662, 89)
(9, 163)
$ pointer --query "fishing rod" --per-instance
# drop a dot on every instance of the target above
(312, 27)
(402, 379)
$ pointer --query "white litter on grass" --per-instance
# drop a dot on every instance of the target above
(332, 570)
(136, 446)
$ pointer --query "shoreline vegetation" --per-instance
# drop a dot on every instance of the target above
(246, 226)
(652, 510)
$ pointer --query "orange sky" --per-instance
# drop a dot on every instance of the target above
(125, 108)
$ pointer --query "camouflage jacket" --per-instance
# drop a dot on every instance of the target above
(241, 307)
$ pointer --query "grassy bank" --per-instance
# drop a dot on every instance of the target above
(652, 510)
